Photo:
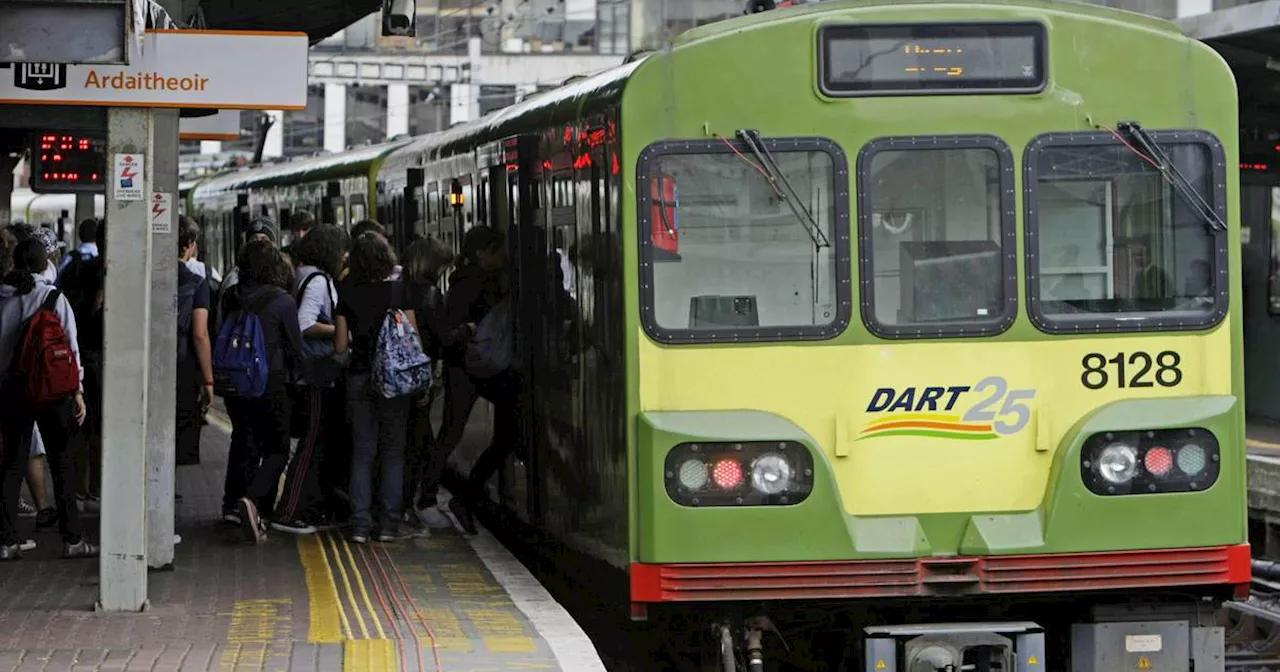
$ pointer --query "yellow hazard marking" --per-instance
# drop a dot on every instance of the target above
(328, 620)
(346, 584)
(259, 630)
(1032, 660)
(1144, 663)
(370, 655)
(880, 665)
(355, 568)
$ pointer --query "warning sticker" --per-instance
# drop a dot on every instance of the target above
(1032, 660)
(127, 177)
(161, 212)
(880, 664)
(1144, 663)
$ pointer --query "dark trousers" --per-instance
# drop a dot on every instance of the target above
(379, 430)
(56, 421)
(461, 392)
(419, 491)
(304, 489)
(335, 460)
(187, 395)
(264, 427)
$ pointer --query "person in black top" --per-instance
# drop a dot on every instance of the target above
(266, 420)
(426, 260)
(379, 426)
(194, 389)
(474, 289)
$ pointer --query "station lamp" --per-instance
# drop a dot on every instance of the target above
(456, 197)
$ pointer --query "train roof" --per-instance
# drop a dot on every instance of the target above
(502, 122)
(345, 164)
(738, 23)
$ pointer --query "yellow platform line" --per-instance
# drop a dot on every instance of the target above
(370, 655)
(355, 567)
(346, 584)
(328, 619)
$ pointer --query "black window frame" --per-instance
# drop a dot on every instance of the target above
(1128, 322)
(1041, 35)
(840, 242)
(998, 324)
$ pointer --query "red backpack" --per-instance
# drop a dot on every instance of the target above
(45, 357)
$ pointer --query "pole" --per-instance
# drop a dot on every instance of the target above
(162, 381)
(123, 565)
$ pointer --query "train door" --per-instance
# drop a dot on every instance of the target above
(1260, 241)
(411, 205)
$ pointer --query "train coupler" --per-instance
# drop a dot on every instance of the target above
(951, 647)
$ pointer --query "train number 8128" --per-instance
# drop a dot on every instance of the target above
(1136, 369)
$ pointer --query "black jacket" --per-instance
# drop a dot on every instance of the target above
(438, 335)
(473, 292)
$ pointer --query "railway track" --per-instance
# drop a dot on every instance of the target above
(1253, 626)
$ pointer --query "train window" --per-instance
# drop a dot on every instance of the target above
(1112, 245)
(937, 233)
(726, 258)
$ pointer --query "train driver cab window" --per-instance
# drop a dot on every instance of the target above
(1114, 245)
(744, 240)
(936, 232)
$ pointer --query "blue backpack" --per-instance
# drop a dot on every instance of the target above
(399, 365)
(240, 366)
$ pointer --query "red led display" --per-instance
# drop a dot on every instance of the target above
(68, 162)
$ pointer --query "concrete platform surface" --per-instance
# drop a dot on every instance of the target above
(443, 602)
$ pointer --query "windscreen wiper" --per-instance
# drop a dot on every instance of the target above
(1148, 145)
(751, 138)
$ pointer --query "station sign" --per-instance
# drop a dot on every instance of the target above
(225, 126)
(245, 70)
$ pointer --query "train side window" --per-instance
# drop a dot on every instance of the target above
(937, 234)
(1112, 245)
(725, 258)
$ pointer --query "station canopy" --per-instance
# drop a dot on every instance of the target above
(317, 18)
(1248, 37)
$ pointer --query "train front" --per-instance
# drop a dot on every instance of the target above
(937, 357)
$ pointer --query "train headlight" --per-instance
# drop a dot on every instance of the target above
(1117, 463)
(770, 474)
(693, 474)
(1152, 461)
(755, 473)
(1191, 459)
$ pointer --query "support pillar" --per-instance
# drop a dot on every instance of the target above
(162, 378)
(335, 117)
(274, 147)
(7, 166)
(1194, 7)
(122, 566)
(397, 110)
(84, 210)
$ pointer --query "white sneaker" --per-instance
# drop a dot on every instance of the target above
(28, 545)
(434, 518)
(25, 510)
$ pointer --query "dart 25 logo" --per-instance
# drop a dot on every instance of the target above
(980, 412)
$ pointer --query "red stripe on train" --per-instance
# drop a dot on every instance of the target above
(946, 576)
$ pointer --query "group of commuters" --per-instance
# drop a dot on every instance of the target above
(351, 334)
(50, 371)
(325, 354)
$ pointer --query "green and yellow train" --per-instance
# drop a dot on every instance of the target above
(882, 315)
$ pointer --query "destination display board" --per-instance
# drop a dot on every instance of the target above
(67, 162)
(903, 59)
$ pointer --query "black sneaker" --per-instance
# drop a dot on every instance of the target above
(80, 549)
(359, 537)
(231, 517)
(46, 518)
(254, 529)
(295, 526)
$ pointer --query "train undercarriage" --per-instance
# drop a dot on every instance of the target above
(1169, 631)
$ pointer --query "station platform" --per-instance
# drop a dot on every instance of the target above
(295, 603)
